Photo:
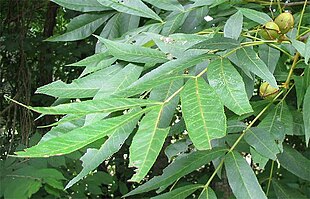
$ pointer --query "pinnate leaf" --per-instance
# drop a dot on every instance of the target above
(241, 177)
(80, 137)
(228, 84)
(147, 143)
(203, 113)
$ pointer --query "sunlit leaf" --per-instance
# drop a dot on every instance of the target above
(203, 113)
(179, 193)
(228, 84)
(233, 26)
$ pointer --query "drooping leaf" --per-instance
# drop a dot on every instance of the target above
(181, 166)
(254, 15)
(254, 64)
(270, 56)
(79, 137)
(241, 178)
(203, 113)
(263, 142)
(82, 26)
(93, 106)
(299, 46)
(84, 87)
(207, 194)
(147, 143)
(179, 193)
(218, 43)
(233, 26)
(171, 5)
(284, 191)
(94, 157)
(133, 53)
(294, 162)
(306, 115)
(229, 86)
(82, 5)
(133, 7)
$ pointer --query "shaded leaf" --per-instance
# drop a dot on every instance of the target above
(82, 5)
(270, 56)
(306, 115)
(82, 26)
(285, 192)
(294, 162)
(179, 193)
(133, 53)
(203, 113)
(241, 178)
(181, 166)
(263, 142)
(207, 194)
(228, 84)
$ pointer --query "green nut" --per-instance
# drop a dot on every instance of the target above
(270, 31)
(267, 92)
(285, 21)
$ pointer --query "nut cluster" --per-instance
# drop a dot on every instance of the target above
(277, 28)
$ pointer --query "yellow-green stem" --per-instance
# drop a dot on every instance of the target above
(270, 177)
(288, 79)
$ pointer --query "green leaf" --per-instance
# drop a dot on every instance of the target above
(93, 59)
(147, 143)
(307, 51)
(181, 166)
(82, 5)
(83, 87)
(294, 162)
(133, 7)
(171, 5)
(269, 55)
(95, 106)
(241, 178)
(119, 81)
(299, 46)
(133, 53)
(253, 63)
(118, 25)
(176, 44)
(284, 191)
(306, 115)
(233, 26)
(160, 74)
(173, 22)
(82, 26)
(94, 157)
(228, 84)
(80, 137)
(256, 16)
(258, 159)
(207, 194)
(203, 113)
(179, 193)
(279, 121)
(263, 142)
(218, 43)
